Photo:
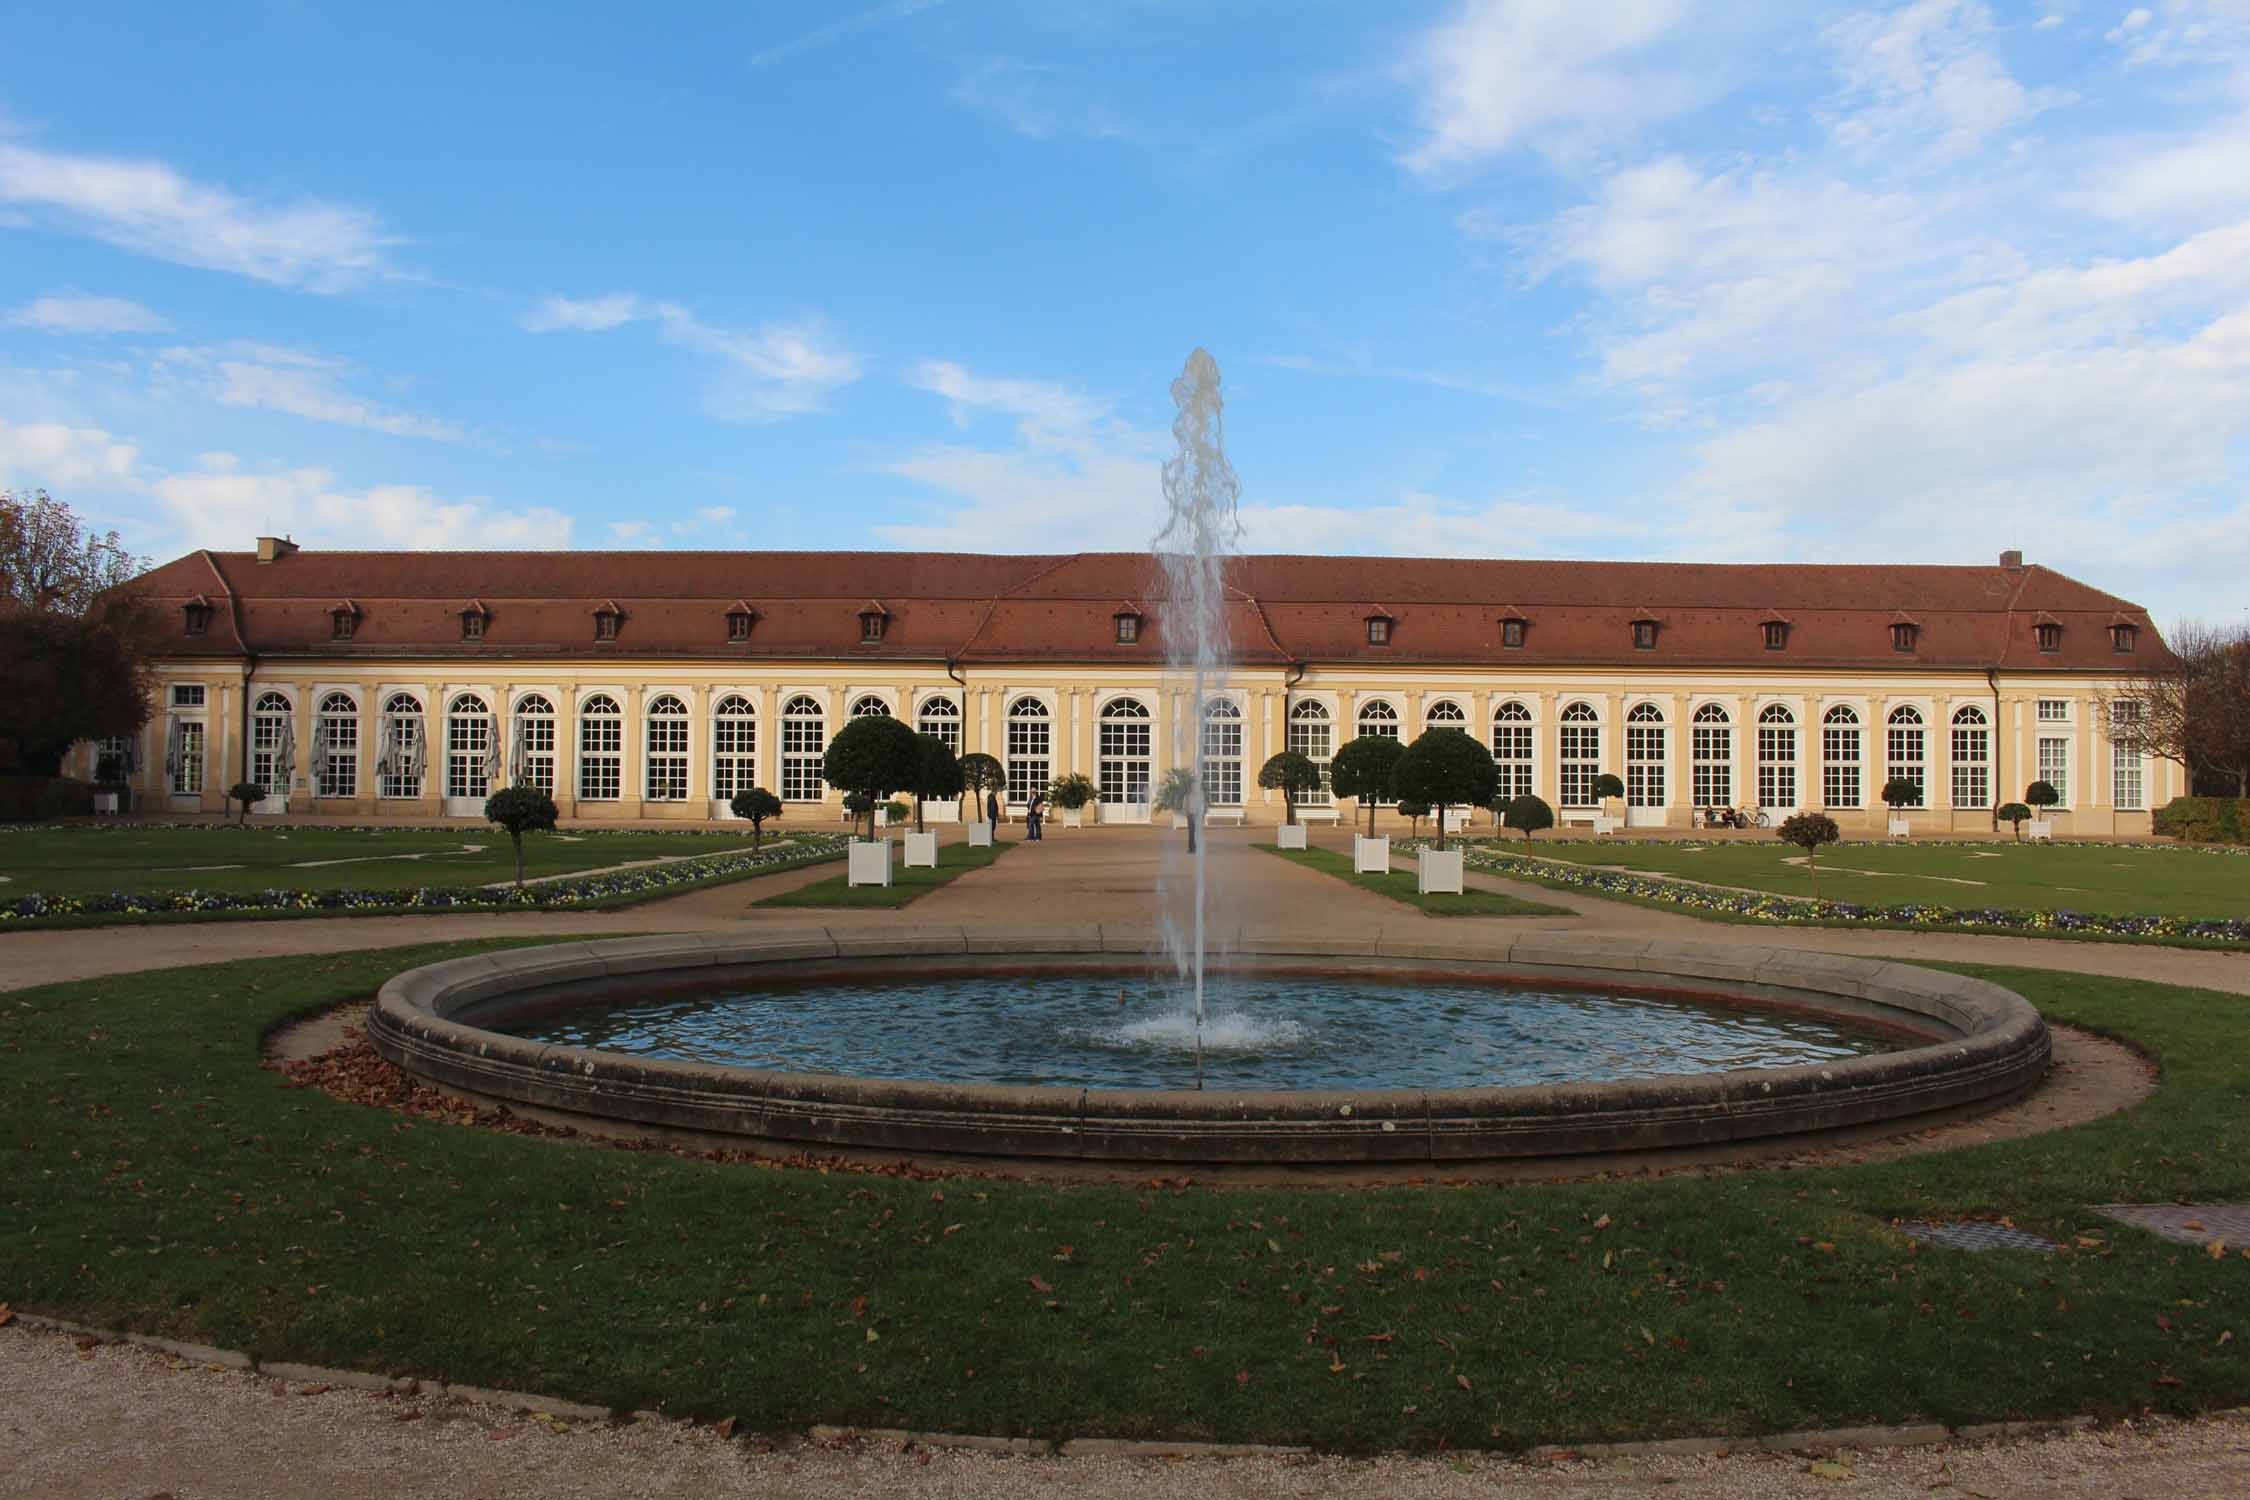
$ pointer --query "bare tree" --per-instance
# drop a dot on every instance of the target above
(49, 562)
(2194, 712)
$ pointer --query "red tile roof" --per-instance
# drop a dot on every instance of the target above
(1279, 609)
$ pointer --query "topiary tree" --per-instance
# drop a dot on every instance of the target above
(2042, 795)
(2014, 814)
(756, 804)
(1901, 791)
(1179, 792)
(1071, 793)
(980, 774)
(1528, 813)
(520, 810)
(1291, 773)
(1414, 812)
(939, 774)
(1607, 786)
(870, 758)
(1363, 768)
(1808, 831)
(1445, 768)
(245, 792)
(894, 811)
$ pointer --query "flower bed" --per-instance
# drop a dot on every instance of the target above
(579, 891)
(1761, 907)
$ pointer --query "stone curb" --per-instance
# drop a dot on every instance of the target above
(1815, 1441)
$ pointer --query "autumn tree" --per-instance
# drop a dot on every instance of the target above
(2194, 710)
(73, 641)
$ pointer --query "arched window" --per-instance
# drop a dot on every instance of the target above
(1122, 749)
(1579, 759)
(1445, 714)
(941, 716)
(868, 706)
(531, 747)
(734, 747)
(804, 739)
(1222, 754)
(1031, 749)
(1777, 757)
(336, 747)
(1512, 742)
(272, 744)
(1839, 757)
(1311, 734)
(1711, 756)
(468, 748)
(665, 775)
(1644, 756)
(399, 750)
(1378, 717)
(601, 749)
(1972, 758)
(1906, 753)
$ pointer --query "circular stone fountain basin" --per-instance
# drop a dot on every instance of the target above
(1954, 1043)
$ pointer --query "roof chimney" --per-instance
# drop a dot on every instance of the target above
(274, 548)
(2012, 560)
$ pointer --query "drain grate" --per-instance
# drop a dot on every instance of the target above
(2185, 1223)
(1976, 1234)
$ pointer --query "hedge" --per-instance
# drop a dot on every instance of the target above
(2205, 820)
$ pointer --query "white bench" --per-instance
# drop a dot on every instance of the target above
(1601, 823)
(1232, 815)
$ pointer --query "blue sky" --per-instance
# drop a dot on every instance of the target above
(1732, 281)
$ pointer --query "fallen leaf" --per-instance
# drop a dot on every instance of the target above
(7, 1315)
(1828, 1468)
(2216, 1249)
(2169, 1380)
(872, 1335)
(1462, 1381)
(1242, 1377)
(724, 1427)
(1602, 1222)
(1039, 1284)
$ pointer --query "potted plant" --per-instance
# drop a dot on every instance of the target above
(1072, 793)
(1291, 773)
(245, 793)
(2042, 796)
(110, 790)
(1363, 769)
(870, 758)
(1607, 790)
(1528, 814)
(1180, 795)
(2015, 815)
(1899, 793)
(520, 810)
(757, 804)
(981, 776)
(1445, 768)
(1808, 831)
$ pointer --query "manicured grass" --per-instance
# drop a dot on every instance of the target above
(1400, 886)
(96, 860)
(153, 1176)
(2031, 877)
(907, 886)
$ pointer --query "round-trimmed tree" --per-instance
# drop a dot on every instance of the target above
(1607, 786)
(1291, 773)
(981, 773)
(1529, 814)
(1363, 768)
(1808, 831)
(245, 793)
(872, 757)
(938, 773)
(2042, 795)
(520, 810)
(757, 804)
(2014, 814)
(1445, 768)
(1901, 791)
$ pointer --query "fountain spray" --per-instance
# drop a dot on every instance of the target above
(1200, 532)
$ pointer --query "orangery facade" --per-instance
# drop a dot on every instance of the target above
(653, 686)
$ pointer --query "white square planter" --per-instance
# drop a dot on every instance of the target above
(1074, 817)
(868, 862)
(105, 802)
(1437, 870)
(1604, 823)
(980, 835)
(921, 851)
(1371, 856)
(2039, 828)
(1289, 836)
(1898, 828)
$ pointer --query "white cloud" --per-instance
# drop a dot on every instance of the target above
(1925, 74)
(1556, 75)
(778, 369)
(150, 209)
(69, 312)
(2184, 33)
(58, 457)
(1036, 100)
(265, 377)
(591, 315)
(223, 508)
(836, 31)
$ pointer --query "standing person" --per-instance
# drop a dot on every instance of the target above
(992, 810)
(1032, 819)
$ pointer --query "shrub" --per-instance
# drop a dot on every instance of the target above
(1363, 768)
(757, 804)
(1808, 831)
(894, 811)
(1072, 792)
(1529, 814)
(40, 798)
(2205, 820)
(1900, 792)
(939, 774)
(521, 810)
(1445, 768)
(2042, 795)
(870, 758)
(1415, 812)
(1291, 773)
(245, 792)
(2013, 814)
(1607, 786)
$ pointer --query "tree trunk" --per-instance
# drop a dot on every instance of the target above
(918, 812)
(1441, 827)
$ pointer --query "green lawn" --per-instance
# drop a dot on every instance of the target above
(1400, 886)
(153, 1176)
(96, 861)
(2031, 877)
(906, 887)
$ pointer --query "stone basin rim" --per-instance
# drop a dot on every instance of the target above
(1999, 1050)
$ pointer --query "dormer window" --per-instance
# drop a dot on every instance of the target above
(1128, 627)
(340, 624)
(1644, 634)
(2048, 635)
(1776, 633)
(196, 618)
(1379, 621)
(873, 621)
(2122, 636)
(738, 625)
(1902, 635)
(472, 622)
(605, 622)
(1511, 634)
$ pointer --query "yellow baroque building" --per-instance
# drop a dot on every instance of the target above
(654, 685)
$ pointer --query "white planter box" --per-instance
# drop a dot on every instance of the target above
(868, 862)
(1898, 828)
(105, 802)
(1437, 870)
(921, 851)
(1371, 856)
(980, 835)
(2039, 828)
(1179, 820)
(1604, 823)
(1074, 817)
(1289, 836)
